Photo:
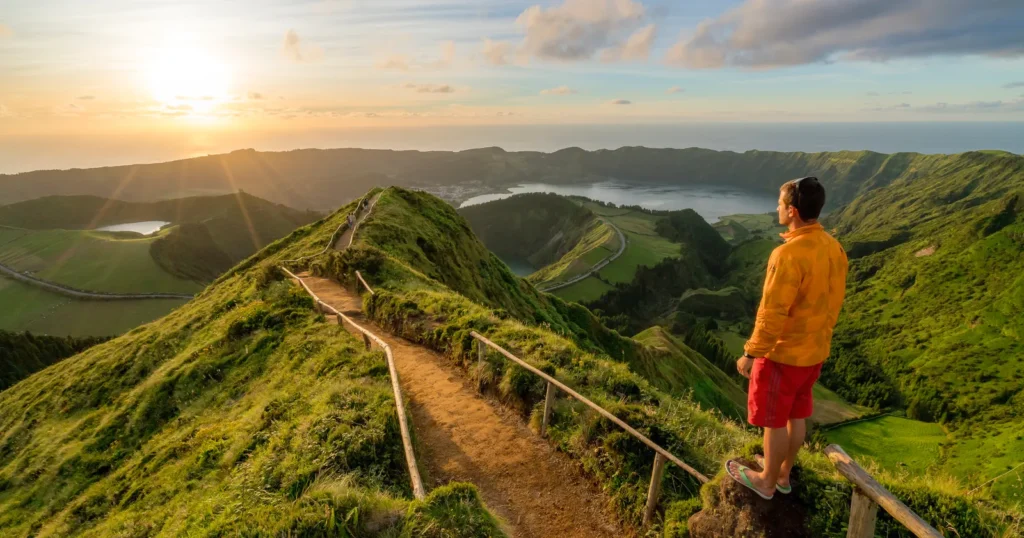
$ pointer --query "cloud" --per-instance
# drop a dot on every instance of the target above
(447, 55)
(579, 29)
(561, 90)
(396, 62)
(430, 88)
(179, 108)
(5, 31)
(255, 96)
(620, 102)
(5, 112)
(761, 34)
(294, 50)
(86, 97)
(1011, 85)
(675, 89)
(496, 52)
(637, 47)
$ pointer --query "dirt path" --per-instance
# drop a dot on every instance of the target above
(463, 437)
(346, 238)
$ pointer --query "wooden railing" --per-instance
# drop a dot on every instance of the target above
(410, 455)
(868, 495)
(661, 455)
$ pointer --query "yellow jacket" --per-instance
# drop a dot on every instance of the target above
(803, 292)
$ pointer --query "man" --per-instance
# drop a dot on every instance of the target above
(803, 292)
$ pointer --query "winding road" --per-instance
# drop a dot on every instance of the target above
(82, 294)
(600, 265)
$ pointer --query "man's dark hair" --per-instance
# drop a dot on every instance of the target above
(806, 195)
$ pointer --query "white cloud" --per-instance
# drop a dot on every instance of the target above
(762, 34)
(496, 52)
(637, 47)
(620, 102)
(395, 62)
(430, 88)
(294, 50)
(561, 90)
(579, 29)
(675, 89)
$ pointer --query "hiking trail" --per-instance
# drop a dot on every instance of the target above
(461, 436)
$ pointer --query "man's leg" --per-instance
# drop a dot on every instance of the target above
(796, 430)
(776, 452)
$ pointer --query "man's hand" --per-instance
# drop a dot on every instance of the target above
(744, 365)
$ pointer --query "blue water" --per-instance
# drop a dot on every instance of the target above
(710, 202)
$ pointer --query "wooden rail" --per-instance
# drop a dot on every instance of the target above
(410, 455)
(661, 456)
(868, 495)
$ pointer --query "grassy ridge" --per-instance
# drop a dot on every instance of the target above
(437, 311)
(242, 413)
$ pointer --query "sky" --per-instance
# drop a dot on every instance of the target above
(187, 77)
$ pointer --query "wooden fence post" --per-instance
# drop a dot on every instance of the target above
(481, 352)
(863, 512)
(341, 321)
(549, 400)
(366, 341)
(654, 491)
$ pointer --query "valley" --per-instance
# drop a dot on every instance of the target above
(664, 301)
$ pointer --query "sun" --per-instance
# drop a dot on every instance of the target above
(187, 79)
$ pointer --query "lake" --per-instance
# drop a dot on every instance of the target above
(710, 202)
(145, 227)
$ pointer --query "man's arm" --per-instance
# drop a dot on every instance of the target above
(838, 266)
(781, 285)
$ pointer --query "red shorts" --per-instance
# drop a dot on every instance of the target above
(779, 392)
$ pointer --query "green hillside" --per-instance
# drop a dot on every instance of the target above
(207, 236)
(435, 283)
(932, 321)
(243, 413)
(22, 354)
(89, 260)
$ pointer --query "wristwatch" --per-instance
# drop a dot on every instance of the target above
(748, 355)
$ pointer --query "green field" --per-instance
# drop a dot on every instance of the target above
(895, 443)
(599, 242)
(990, 452)
(90, 260)
(27, 308)
(584, 290)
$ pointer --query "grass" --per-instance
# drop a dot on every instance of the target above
(896, 443)
(584, 290)
(599, 242)
(439, 313)
(241, 413)
(644, 247)
(28, 308)
(89, 260)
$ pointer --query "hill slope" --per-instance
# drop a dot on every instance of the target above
(427, 293)
(557, 236)
(932, 320)
(241, 413)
